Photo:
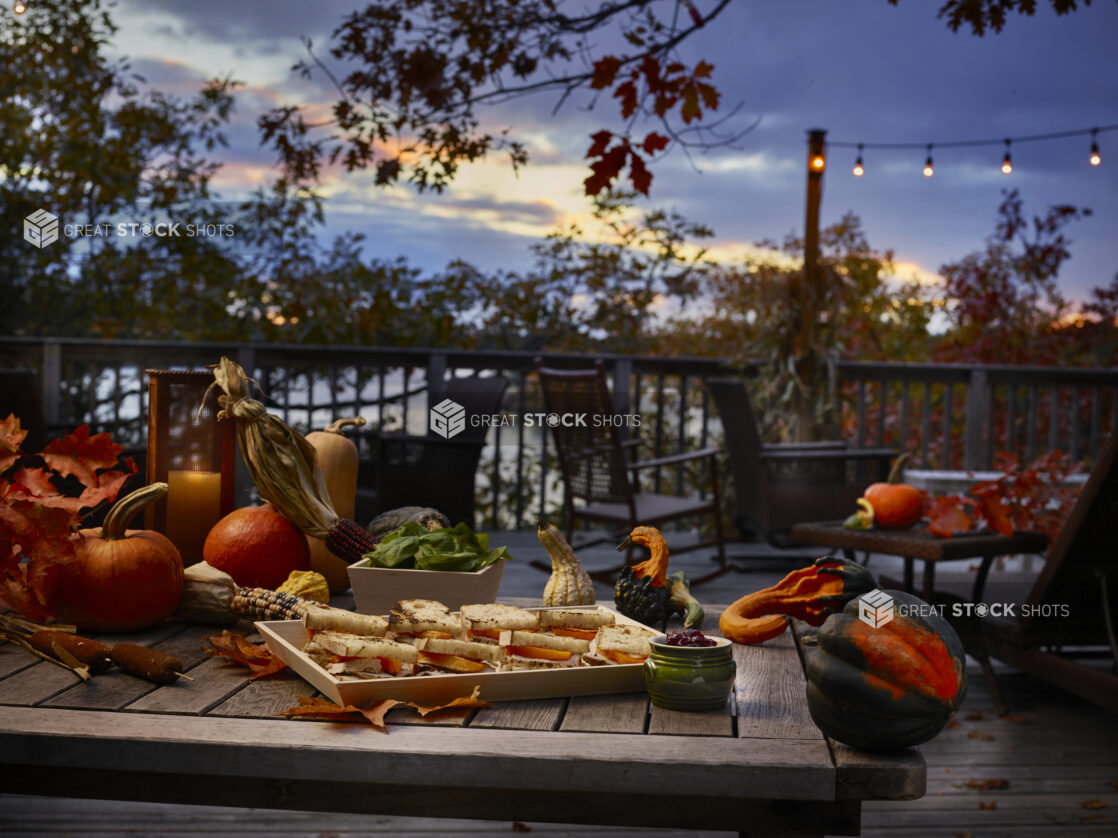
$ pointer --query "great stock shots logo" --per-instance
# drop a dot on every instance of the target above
(448, 418)
(875, 608)
(40, 228)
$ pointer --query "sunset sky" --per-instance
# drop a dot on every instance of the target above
(865, 71)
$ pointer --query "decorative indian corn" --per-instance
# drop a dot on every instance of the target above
(266, 604)
(284, 467)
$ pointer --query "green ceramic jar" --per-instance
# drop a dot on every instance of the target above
(689, 677)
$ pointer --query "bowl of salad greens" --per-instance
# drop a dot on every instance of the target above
(452, 565)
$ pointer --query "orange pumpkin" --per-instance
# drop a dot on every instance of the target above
(257, 546)
(122, 580)
(895, 505)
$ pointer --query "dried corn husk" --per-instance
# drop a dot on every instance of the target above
(207, 595)
(282, 463)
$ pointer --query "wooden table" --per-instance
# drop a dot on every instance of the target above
(759, 766)
(912, 544)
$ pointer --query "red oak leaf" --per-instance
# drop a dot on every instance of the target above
(233, 647)
(607, 169)
(81, 455)
(41, 534)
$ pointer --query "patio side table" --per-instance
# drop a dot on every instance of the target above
(912, 544)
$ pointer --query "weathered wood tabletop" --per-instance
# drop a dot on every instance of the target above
(759, 765)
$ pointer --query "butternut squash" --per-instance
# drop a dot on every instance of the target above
(337, 457)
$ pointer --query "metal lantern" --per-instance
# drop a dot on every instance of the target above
(193, 453)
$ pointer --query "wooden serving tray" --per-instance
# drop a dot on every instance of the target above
(285, 639)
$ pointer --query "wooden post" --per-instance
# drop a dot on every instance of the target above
(810, 292)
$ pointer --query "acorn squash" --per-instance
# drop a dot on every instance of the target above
(886, 688)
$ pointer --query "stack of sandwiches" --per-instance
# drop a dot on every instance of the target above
(422, 636)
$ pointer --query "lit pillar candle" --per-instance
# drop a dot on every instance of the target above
(193, 507)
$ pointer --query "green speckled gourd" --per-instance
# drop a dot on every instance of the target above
(569, 584)
(642, 592)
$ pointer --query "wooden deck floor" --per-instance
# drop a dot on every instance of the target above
(1051, 769)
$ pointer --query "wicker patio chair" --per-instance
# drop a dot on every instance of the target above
(601, 482)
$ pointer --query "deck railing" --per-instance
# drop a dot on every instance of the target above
(950, 416)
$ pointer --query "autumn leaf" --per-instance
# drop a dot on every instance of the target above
(41, 534)
(993, 784)
(607, 169)
(981, 736)
(993, 804)
(654, 142)
(11, 437)
(600, 143)
(321, 708)
(1093, 804)
(235, 648)
(947, 517)
(639, 174)
(82, 455)
(472, 700)
(973, 716)
(605, 71)
(327, 711)
(627, 93)
(1019, 718)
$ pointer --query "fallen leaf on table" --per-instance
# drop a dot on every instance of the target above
(973, 716)
(951, 725)
(982, 737)
(1020, 718)
(235, 648)
(993, 784)
(1093, 804)
(472, 700)
(320, 708)
(993, 804)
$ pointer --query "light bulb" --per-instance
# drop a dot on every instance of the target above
(19, 8)
(1095, 159)
(859, 170)
(928, 169)
(1007, 164)
(817, 162)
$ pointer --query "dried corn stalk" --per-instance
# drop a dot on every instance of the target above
(284, 466)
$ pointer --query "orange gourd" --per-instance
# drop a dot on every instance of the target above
(895, 505)
(257, 546)
(810, 594)
(338, 460)
(121, 580)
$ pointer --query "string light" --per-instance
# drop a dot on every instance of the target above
(19, 8)
(1094, 159)
(817, 162)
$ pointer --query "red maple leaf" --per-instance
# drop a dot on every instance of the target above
(639, 174)
(11, 437)
(81, 455)
(605, 71)
(654, 142)
(947, 516)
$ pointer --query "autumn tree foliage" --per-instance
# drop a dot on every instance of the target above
(412, 76)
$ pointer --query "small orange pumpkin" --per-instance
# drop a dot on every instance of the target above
(895, 505)
(257, 546)
(122, 580)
